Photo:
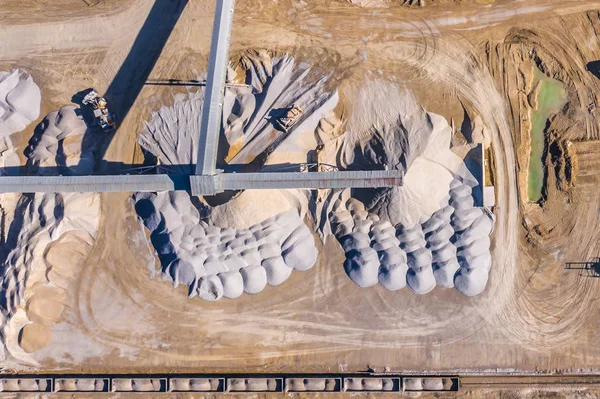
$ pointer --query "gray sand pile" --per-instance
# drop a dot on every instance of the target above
(249, 112)
(409, 235)
(219, 262)
(450, 249)
(472, 227)
(20, 100)
(58, 142)
(172, 133)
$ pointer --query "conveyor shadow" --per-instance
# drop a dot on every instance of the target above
(133, 73)
(590, 268)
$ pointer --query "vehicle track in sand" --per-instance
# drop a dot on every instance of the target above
(320, 312)
(553, 304)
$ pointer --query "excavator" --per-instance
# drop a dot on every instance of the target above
(106, 119)
(290, 118)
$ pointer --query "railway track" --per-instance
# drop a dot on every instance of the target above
(356, 382)
(528, 381)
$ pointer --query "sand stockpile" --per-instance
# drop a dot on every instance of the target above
(20, 100)
(428, 231)
(249, 113)
(172, 133)
(277, 83)
(9, 159)
(35, 275)
(387, 129)
(217, 262)
(450, 249)
(252, 207)
(48, 238)
(265, 238)
(58, 143)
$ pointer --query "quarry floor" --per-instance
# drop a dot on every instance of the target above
(535, 315)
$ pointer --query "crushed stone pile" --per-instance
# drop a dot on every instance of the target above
(388, 129)
(20, 100)
(48, 235)
(277, 83)
(58, 142)
(9, 159)
(40, 220)
(172, 133)
(450, 249)
(219, 262)
(249, 114)
(418, 234)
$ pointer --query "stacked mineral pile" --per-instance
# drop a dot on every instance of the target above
(249, 114)
(49, 233)
(20, 101)
(58, 142)
(219, 262)
(450, 249)
(472, 227)
(388, 129)
(37, 263)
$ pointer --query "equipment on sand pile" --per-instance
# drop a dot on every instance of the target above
(291, 117)
(106, 119)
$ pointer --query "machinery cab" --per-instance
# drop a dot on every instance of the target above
(291, 117)
(105, 119)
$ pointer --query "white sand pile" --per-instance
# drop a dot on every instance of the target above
(450, 249)
(195, 384)
(219, 262)
(387, 129)
(40, 220)
(408, 235)
(252, 207)
(9, 159)
(58, 142)
(427, 384)
(265, 236)
(49, 235)
(311, 384)
(369, 3)
(249, 112)
(19, 101)
(277, 83)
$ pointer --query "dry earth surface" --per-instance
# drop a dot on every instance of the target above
(459, 59)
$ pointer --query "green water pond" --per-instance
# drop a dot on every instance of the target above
(551, 97)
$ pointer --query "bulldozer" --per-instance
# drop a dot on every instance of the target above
(291, 117)
(106, 119)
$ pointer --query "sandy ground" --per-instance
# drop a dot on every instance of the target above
(534, 315)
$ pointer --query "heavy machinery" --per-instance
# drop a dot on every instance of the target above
(106, 119)
(291, 117)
